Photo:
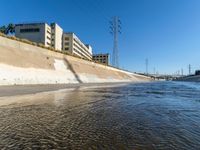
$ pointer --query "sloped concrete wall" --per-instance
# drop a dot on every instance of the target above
(190, 78)
(22, 63)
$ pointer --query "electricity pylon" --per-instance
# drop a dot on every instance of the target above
(115, 30)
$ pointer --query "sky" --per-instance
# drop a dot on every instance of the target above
(166, 32)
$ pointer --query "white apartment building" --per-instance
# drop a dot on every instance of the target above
(72, 44)
(56, 36)
(50, 36)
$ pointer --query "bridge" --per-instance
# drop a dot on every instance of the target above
(162, 76)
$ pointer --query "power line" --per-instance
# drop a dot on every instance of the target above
(115, 30)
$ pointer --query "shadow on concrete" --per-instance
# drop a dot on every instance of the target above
(72, 70)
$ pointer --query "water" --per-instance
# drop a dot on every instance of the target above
(159, 115)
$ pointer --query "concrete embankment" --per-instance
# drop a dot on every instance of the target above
(22, 63)
(195, 78)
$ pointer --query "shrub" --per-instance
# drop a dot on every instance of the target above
(12, 37)
(33, 43)
(26, 41)
(41, 45)
(2, 34)
(51, 48)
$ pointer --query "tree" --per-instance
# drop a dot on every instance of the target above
(10, 29)
(3, 29)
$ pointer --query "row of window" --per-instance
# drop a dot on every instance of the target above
(66, 48)
(83, 52)
(80, 54)
(101, 61)
(66, 43)
(29, 30)
(81, 44)
(67, 38)
(100, 56)
(82, 49)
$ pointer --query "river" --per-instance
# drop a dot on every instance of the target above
(155, 115)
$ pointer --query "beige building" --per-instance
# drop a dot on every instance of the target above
(101, 58)
(53, 36)
(72, 44)
(50, 36)
(56, 36)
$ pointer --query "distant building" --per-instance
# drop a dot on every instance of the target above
(101, 58)
(72, 44)
(89, 48)
(56, 36)
(197, 72)
(53, 36)
(50, 36)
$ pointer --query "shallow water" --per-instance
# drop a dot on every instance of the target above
(158, 115)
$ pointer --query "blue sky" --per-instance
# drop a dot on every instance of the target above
(167, 32)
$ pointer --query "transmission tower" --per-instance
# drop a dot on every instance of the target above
(115, 30)
(147, 65)
(181, 71)
(189, 69)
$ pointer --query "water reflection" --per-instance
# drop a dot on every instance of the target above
(162, 115)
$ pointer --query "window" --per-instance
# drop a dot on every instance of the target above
(66, 48)
(48, 32)
(29, 30)
(48, 38)
(67, 43)
(67, 38)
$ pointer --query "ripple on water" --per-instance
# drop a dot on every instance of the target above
(135, 116)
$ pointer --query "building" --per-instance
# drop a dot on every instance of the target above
(56, 36)
(50, 36)
(73, 45)
(35, 32)
(101, 58)
(89, 48)
(197, 72)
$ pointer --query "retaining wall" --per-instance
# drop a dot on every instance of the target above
(22, 63)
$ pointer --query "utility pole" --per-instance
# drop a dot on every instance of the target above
(147, 65)
(181, 71)
(178, 72)
(115, 27)
(154, 70)
(189, 67)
